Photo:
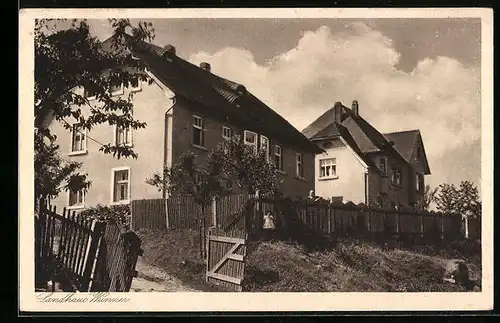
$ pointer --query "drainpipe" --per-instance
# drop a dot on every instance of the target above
(366, 188)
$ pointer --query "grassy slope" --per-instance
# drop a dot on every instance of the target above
(349, 266)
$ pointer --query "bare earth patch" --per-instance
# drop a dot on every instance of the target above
(154, 279)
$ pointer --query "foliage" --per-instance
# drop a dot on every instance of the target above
(232, 162)
(116, 214)
(53, 174)
(462, 200)
(68, 57)
(428, 198)
(250, 170)
(201, 181)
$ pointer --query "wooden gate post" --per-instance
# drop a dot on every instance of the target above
(91, 257)
(166, 212)
(214, 212)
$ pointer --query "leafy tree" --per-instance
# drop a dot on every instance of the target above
(201, 182)
(53, 174)
(463, 200)
(427, 198)
(68, 57)
(232, 162)
(249, 170)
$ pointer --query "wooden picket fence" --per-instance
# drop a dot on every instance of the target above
(179, 212)
(149, 214)
(90, 255)
(349, 219)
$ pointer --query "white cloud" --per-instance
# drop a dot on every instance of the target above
(440, 96)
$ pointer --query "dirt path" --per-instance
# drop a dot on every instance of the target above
(154, 279)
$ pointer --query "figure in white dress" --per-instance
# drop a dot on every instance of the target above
(269, 221)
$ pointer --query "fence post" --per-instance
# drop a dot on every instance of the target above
(91, 259)
(214, 212)
(166, 213)
(329, 220)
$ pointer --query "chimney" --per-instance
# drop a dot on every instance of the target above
(337, 112)
(205, 66)
(169, 49)
(355, 108)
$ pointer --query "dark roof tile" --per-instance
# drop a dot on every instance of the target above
(227, 97)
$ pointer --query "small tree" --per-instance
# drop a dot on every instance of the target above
(463, 200)
(427, 198)
(247, 168)
(232, 162)
(201, 182)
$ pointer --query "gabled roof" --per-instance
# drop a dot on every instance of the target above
(225, 97)
(405, 142)
(363, 138)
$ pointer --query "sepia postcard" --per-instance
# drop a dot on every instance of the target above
(199, 160)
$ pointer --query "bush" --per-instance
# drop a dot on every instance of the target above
(116, 214)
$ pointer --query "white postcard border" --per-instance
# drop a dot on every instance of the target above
(193, 302)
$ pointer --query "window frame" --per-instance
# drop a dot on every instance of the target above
(397, 176)
(384, 171)
(267, 146)
(230, 133)
(115, 137)
(254, 145)
(76, 206)
(84, 141)
(299, 165)
(113, 172)
(419, 187)
(331, 176)
(202, 131)
(280, 155)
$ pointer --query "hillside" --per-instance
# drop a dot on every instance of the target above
(347, 266)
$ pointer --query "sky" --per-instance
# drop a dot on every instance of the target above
(405, 73)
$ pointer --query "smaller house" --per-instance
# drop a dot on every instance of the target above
(362, 165)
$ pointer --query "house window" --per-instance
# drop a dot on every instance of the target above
(396, 177)
(328, 168)
(419, 182)
(76, 198)
(78, 139)
(383, 165)
(123, 136)
(264, 146)
(198, 135)
(250, 139)
(278, 157)
(121, 185)
(300, 165)
(227, 133)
